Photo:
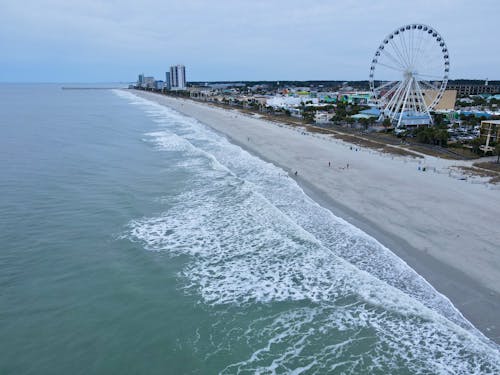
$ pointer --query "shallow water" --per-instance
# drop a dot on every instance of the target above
(137, 240)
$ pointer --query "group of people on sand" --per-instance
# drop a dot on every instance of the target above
(329, 164)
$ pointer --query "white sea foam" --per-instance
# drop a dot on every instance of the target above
(358, 340)
(253, 236)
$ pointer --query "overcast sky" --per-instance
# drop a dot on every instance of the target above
(99, 41)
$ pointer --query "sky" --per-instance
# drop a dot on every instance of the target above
(218, 40)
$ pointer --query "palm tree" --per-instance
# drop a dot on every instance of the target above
(371, 121)
(386, 123)
(364, 122)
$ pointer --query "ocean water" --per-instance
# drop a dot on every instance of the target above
(136, 240)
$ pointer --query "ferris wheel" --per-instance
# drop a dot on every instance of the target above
(409, 74)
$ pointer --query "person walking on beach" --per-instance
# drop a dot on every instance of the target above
(347, 165)
(295, 173)
(329, 164)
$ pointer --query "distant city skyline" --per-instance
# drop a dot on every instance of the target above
(97, 41)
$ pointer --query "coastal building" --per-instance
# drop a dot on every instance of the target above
(177, 77)
(474, 89)
(323, 117)
(372, 112)
(361, 116)
(295, 112)
(200, 93)
(167, 81)
(493, 97)
(279, 101)
(489, 133)
(221, 86)
(328, 97)
(148, 82)
(159, 85)
(140, 80)
(411, 119)
(354, 97)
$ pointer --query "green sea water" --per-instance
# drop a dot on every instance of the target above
(135, 240)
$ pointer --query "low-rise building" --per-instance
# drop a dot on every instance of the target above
(200, 93)
(354, 97)
(159, 85)
(323, 117)
(148, 82)
(474, 89)
(280, 101)
(489, 133)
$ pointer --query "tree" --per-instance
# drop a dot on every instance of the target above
(341, 110)
(438, 118)
(432, 135)
(422, 134)
(386, 123)
(441, 136)
(364, 122)
(308, 116)
(371, 121)
(476, 143)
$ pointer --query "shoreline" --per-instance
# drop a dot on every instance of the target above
(472, 297)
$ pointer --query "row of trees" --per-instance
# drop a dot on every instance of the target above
(435, 135)
(470, 120)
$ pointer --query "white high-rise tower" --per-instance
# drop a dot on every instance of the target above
(178, 77)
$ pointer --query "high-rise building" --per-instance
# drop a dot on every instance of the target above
(178, 77)
(140, 80)
(167, 81)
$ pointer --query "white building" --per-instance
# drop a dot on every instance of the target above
(148, 82)
(290, 101)
(323, 117)
(177, 77)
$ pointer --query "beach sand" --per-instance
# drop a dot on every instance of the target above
(445, 228)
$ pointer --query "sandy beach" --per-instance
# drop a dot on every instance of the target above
(444, 227)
